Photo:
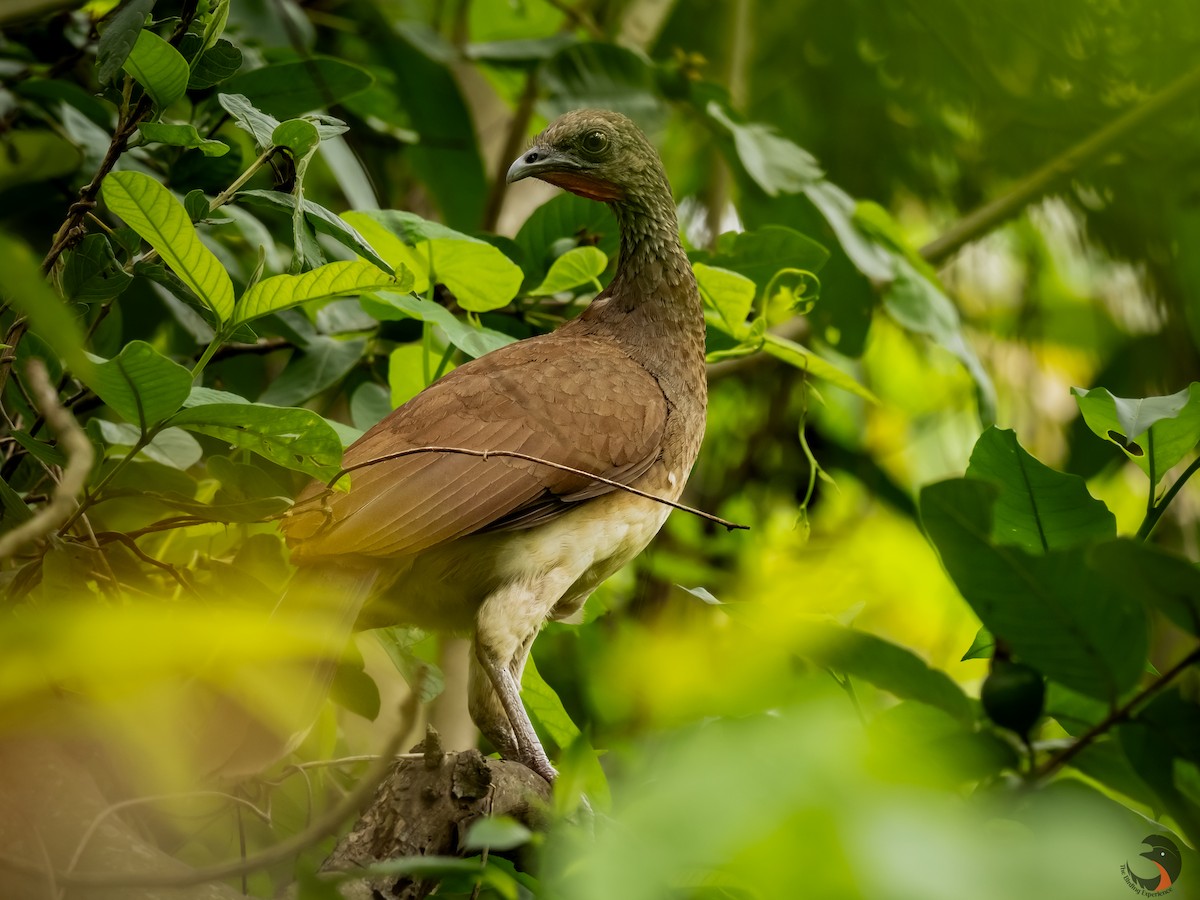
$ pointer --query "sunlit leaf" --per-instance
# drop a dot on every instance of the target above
(151, 210)
(159, 68)
(337, 279)
(181, 136)
(140, 384)
(730, 294)
(1155, 432)
(328, 222)
(470, 340)
(804, 359)
(579, 265)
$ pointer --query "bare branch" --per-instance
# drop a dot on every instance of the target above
(79, 453)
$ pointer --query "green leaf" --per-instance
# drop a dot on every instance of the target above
(886, 665)
(566, 217)
(579, 265)
(15, 510)
(730, 294)
(159, 68)
(545, 710)
(804, 359)
(982, 645)
(388, 305)
(776, 164)
(249, 118)
(140, 384)
(297, 439)
(480, 276)
(760, 254)
(1058, 615)
(1155, 432)
(398, 641)
(290, 89)
(91, 271)
(496, 833)
(215, 64)
(172, 447)
(1159, 578)
(323, 220)
(181, 136)
(150, 209)
(1038, 509)
(324, 362)
(297, 135)
(36, 155)
(406, 372)
(602, 75)
(119, 36)
(337, 279)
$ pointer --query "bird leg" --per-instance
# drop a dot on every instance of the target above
(515, 737)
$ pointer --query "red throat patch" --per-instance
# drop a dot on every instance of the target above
(592, 188)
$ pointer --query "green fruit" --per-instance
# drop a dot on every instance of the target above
(1013, 696)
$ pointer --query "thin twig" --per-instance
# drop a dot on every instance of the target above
(984, 218)
(79, 453)
(317, 831)
(1122, 712)
(513, 454)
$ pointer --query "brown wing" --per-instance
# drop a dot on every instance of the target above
(572, 401)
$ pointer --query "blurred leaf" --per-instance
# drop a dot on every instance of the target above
(149, 209)
(214, 65)
(701, 593)
(181, 136)
(1037, 509)
(730, 294)
(496, 833)
(34, 155)
(172, 447)
(1161, 579)
(119, 36)
(322, 220)
(578, 266)
(337, 279)
(369, 404)
(15, 510)
(398, 643)
(406, 373)
(1058, 615)
(520, 52)
(91, 271)
(472, 341)
(885, 665)
(355, 690)
(1155, 432)
(297, 439)
(159, 68)
(600, 75)
(776, 164)
(140, 384)
(290, 89)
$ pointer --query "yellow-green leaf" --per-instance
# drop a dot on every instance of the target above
(333, 280)
(803, 358)
(481, 277)
(150, 209)
(729, 293)
(579, 265)
(159, 68)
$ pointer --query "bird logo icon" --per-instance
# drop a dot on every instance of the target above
(1165, 855)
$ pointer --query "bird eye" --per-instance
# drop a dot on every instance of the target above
(595, 141)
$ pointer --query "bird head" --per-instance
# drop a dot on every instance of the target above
(1165, 853)
(596, 153)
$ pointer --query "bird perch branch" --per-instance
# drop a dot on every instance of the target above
(79, 453)
(513, 454)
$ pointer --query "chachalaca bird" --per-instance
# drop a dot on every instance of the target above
(497, 546)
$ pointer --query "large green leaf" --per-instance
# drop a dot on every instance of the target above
(885, 665)
(290, 89)
(761, 253)
(579, 265)
(1058, 615)
(601, 75)
(159, 68)
(569, 218)
(336, 279)
(1163, 580)
(295, 438)
(804, 359)
(480, 276)
(91, 271)
(1038, 509)
(545, 709)
(1155, 432)
(150, 209)
(776, 164)
(470, 340)
(140, 384)
(215, 64)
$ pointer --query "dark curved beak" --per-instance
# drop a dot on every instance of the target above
(539, 160)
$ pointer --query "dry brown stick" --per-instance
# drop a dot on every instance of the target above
(513, 454)
(79, 453)
(319, 829)
(983, 219)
